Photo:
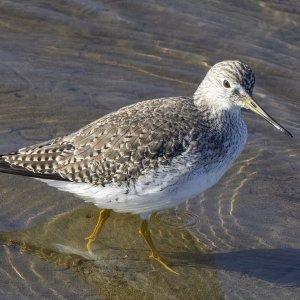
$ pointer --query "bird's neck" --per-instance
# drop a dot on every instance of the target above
(217, 109)
(226, 124)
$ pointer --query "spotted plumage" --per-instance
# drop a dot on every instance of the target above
(119, 147)
(152, 154)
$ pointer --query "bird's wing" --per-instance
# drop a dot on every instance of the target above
(118, 146)
(35, 161)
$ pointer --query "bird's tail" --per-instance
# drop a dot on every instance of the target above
(10, 168)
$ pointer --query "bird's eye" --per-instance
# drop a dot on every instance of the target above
(226, 84)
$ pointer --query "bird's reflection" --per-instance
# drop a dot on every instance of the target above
(118, 259)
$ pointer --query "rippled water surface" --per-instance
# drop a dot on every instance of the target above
(64, 64)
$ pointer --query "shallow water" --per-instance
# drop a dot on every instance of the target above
(64, 64)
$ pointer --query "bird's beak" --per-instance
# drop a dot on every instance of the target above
(249, 103)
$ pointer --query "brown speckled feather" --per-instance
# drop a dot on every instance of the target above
(117, 147)
(154, 154)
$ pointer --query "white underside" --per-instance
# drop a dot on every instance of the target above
(163, 188)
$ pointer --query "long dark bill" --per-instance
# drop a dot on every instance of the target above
(249, 103)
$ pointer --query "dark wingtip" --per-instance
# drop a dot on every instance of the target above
(6, 167)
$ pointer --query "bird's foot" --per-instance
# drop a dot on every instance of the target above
(159, 259)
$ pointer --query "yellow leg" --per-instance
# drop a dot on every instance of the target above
(145, 233)
(103, 216)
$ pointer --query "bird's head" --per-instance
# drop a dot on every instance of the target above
(228, 85)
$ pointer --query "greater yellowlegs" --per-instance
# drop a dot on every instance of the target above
(151, 155)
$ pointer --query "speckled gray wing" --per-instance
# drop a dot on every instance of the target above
(118, 147)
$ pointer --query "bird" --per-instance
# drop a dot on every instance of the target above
(151, 155)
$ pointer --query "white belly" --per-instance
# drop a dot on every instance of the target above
(165, 188)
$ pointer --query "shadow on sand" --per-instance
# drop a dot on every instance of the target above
(119, 262)
(119, 267)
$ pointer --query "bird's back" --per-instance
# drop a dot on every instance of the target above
(118, 147)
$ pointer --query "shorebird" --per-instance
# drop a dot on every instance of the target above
(151, 155)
